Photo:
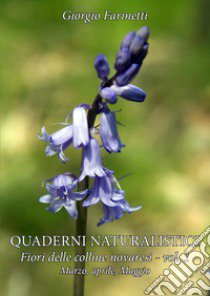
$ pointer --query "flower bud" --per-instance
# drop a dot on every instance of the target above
(127, 40)
(102, 66)
(109, 95)
(144, 33)
(130, 92)
(125, 77)
(122, 59)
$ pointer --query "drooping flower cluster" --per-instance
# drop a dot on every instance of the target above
(106, 189)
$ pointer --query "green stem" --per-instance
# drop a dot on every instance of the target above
(79, 280)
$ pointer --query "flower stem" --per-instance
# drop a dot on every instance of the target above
(79, 279)
(81, 223)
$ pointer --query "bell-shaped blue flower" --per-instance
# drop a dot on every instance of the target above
(77, 133)
(80, 127)
(113, 200)
(108, 132)
(58, 141)
(61, 194)
(91, 160)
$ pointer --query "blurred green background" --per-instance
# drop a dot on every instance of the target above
(48, 70)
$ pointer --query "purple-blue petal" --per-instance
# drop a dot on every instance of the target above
(79, 195)
(110, 214)
(118, 195)
(91, 200)
(80, 127)
(64, 180)
(71, 209)
(91, 161)
(50, 150)
(45, 198)
(55, 205)
(108, 132)
(62, 136)
(123, 204)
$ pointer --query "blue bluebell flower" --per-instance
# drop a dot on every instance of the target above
(58, 141)
(80, 127)
(91, 160)
(61, 194)
(108, 132)
(77, 133)
(113, 200)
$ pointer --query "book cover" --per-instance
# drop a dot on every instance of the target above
(145, 64)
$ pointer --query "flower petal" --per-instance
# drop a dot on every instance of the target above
(79, 195)
(55, 205)
(58, 141)
(71, 209)
(45, 199)
(106, 191)
(63, 135)
(80, 127)
(90, 201)
(108, 132)
(64, 180)
(50, 150)
(123, 204)
(91, 161)
(118, 195)
(110, 214)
